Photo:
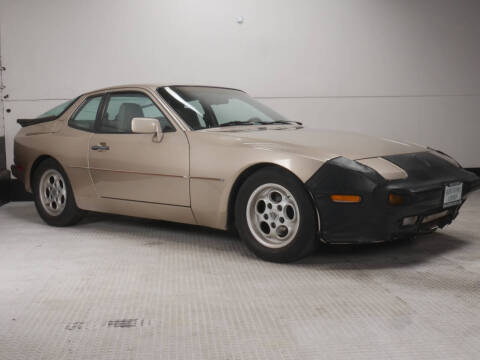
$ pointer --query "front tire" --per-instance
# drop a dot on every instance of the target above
(275, 216)
(54, 196)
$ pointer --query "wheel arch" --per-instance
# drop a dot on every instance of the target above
(34, 167)
(242, 177)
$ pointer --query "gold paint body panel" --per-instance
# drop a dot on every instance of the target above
(189, 175)
(136, 168)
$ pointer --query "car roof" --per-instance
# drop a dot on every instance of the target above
(154, 87)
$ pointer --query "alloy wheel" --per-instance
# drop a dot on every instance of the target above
(53, 192)
(272, 215)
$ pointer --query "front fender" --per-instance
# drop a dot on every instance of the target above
(216, 162)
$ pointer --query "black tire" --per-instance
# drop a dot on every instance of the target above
(305, 239)
(70, 214)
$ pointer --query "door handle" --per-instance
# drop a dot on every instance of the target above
(101, 147)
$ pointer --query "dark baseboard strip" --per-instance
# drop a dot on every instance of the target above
(17, 191)
(12, 189)
(3, 159)
(4, 186)
(4, 174)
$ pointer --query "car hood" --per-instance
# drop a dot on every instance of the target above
(316, 143)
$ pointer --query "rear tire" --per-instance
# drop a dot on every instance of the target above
(53, 195)
(275, 216)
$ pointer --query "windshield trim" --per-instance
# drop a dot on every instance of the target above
(201, 86)
(170, 91)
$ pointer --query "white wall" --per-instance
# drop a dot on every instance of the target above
(406, 69)
(2, 122)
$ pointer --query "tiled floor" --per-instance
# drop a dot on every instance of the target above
(119, 288)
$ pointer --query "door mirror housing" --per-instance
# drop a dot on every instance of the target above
(147, 126)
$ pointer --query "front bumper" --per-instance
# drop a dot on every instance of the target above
(374, 219)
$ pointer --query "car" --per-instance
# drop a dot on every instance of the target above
(218, 158)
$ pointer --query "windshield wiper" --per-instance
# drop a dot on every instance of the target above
(233, 123)
(259, 122)
(276, 122)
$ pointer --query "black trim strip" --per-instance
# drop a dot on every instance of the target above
(146, 202)
(131, 172)
(29, 122)
(101, 110)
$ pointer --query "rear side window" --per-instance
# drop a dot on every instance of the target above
(57, 110)
(84, 118)
(123, 107)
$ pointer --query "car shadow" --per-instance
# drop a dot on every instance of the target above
(394, 254)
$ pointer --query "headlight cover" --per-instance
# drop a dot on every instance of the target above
(388, 170)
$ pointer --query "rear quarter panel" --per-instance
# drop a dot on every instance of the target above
(66, 145)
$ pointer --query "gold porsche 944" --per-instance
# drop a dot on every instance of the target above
(216, 157)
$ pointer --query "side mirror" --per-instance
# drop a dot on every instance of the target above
(147, 126)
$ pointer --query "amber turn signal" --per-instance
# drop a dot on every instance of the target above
(395, 199)
(346, 198)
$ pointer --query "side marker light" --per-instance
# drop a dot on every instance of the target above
(345, 198)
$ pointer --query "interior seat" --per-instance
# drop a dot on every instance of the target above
(125, 115)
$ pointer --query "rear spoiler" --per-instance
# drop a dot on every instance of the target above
(29, 122)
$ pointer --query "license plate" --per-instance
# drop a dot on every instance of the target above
(453, 195)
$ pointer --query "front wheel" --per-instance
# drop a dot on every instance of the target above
(275, 216)
(53, 195)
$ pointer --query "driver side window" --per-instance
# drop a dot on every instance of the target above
(123, 107)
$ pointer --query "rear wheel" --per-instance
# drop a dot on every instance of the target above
(53, 195)
(275, 216)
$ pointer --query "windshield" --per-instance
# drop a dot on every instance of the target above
(57, 110)
(208, 107)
